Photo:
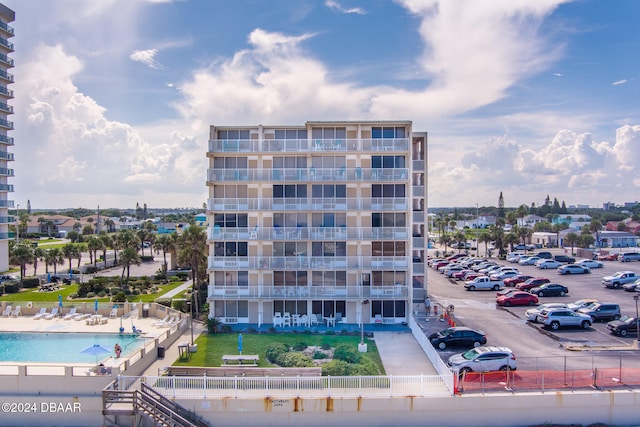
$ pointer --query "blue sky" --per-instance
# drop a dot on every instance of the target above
(114, 98)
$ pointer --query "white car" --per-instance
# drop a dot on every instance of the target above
(590, 263)
(545, 264)
(504, 274)
(529, 260)
(532, 313)
(483, 359)
(581, 303)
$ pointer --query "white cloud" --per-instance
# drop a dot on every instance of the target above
(619, 82)
(334, 5)
(146, 57)
(558, 74)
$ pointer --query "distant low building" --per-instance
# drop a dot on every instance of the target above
(616, 239)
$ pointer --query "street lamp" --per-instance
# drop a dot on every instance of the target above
(477, 229)
(18, 223)
(636, 298)
(362, 347)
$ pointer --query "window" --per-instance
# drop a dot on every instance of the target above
(230, 249)
(328, 162)
(386, 162)
(234, 134)
(289, 248)
(230, 163)
(388, 219)
(329, 220)
(289, 162)
(329, 132)
(231, 220)
(388, 190)
(329, 308)
(329, 190)
(388, 278)
(388, 248)
(281, 219)
(231, 278)
(388, 132)
(289, 278)
(290, 133)
(231, 309)
(290, 191)
(293, 307)
(329, 249)
(329, 278)
(388, 309)
(230, 191)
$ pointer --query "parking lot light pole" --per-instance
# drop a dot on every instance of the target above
(477, 229)
(362, 347)
(636, 298)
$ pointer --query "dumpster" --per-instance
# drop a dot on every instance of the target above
(145, 311)
(160, 352)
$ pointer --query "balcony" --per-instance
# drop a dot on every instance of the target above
(6, 76)
(5, 155)
(6, 188)
(6, 203)
(306, 145)
(306, 204)
(6, 172)
(216, 233)
(6, 124)
(7, 220)
(6, 28)
(6, 43)
(7, 92)
(6, 108)
(7, 140)
(271, 292)
(304, 175)
(302, 262)
(6, 60)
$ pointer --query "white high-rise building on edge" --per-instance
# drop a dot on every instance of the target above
(6, 48)
(326, 218)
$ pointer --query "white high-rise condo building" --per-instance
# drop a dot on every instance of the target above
(6, 47)
(326, 219)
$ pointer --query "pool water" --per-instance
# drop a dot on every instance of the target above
(63, 347)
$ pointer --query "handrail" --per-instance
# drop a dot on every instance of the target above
(166, 406)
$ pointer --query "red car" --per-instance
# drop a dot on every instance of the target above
(459, 275)
(532, 283)
(517, 298)
(512, 281)
(471, 276)
(439, 264)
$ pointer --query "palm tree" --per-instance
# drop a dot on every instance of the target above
(94, 243)
(55, 257)
(486, 239)
(511, 239)
(108, 222)
(38, 254)
(497, 235)
(69, 252)
(49, 225)
(572, 239)
(107, 242)
(77, 226)
(128, 256)
(80, 248)
(460, 237)
(595, 226)
(164, 243)
(22, 255)
(193, 252)
(143, 236)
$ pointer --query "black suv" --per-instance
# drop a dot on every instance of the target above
(458, 337)
(602, 311)
(565, 259)
(545, 255)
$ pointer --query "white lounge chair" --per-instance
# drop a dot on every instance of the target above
(7, 311)
(54, 313)
(114, 313)
(167, 324)
(70, 315)
(16, 312)
(161, 322)
(80, 316)
(41, 313)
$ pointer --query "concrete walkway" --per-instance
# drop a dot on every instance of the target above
(401, 354)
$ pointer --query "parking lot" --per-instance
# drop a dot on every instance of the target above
(535, 346)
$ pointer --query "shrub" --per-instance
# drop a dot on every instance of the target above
(146, 258)
(102, 294)
(325, 346)
(319, 354)
(336, 368)
(180, 305)
(213, 323)
(347, 353)
(275, 351)
(226, 329)
(330, 333)
(120, 297)
(365, 367)
(30, 282)
(299, 346)
(91, 269)
(12, 287)
(175, 279)
(91, 294)
(295, 360)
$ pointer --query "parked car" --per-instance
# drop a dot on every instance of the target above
(619, 279)
(483, 283)
(458, 337)
(556, 318)
(504, 274)
(512, 281)
(532, 283)
(483, 359)
(605, 257)
(573, 269)
(8, 277)
(564, 259)
(600, 311)
(459, 275)
(516, 298)
(581, 303)
(514, 256)
(532, 313)
(623, 326)
(629, 256)
(590, 263)
(529, 260)
(523, 247)
(545, 255)
(550, 290)
(545, 264)
(632, 287)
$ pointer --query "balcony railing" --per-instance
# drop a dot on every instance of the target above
(308, 174)
(6, 203)
(6, 43)
(6, 124)
(6, 108)
(5, 75)
(306, 145)
(307, 233)
(6, 187)
(6, 27)
(5, 155)
(306, 204)
(302, 262)
(6, 172)
(392, 291)
(4, 139)
(8, 92)
(6, 60)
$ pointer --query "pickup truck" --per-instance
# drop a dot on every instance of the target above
(483, 283)
(619, 279)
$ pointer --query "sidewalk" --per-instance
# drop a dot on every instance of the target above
(401, 354)
(171, 352)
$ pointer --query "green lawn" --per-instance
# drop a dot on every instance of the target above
(211, 347)
(35, 295)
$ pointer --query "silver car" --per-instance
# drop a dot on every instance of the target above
(556, 318)
(483, 359)
(532, 313)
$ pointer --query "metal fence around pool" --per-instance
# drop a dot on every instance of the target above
(290, 387)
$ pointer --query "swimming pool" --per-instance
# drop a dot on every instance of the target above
(62, 347)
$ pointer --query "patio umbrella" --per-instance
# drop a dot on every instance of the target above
(95, 305)
(60, 301)
(95, 350)
(240, 343)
